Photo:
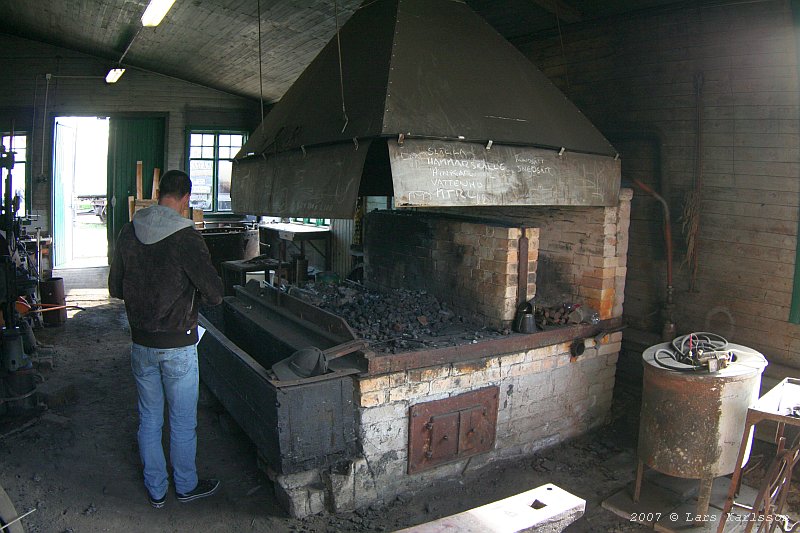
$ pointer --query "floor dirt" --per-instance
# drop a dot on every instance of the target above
(77, 463)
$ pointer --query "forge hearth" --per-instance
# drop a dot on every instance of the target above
(500, 200)
(434, 267)
(396, 320)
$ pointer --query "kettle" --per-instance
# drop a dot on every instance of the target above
(524, 321)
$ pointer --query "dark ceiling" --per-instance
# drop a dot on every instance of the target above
(215, 42)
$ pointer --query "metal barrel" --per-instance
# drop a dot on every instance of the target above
(692, 422)
(52, 292)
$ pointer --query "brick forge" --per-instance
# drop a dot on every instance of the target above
(546, 396)
(472, 266)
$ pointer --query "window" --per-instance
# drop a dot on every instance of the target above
(18, 144)
(211, 156)
(314, 221)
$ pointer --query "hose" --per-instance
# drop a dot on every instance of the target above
(685, 349)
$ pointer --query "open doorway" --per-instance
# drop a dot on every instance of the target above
(80, 192)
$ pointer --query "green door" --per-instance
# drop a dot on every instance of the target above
(131, 140)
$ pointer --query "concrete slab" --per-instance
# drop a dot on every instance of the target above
(719, 493)
(684, 518)
(653, 503)
(545, 509)
(671, 512)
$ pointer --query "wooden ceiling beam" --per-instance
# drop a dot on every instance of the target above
(561, 9)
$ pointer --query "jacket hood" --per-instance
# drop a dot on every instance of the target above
(158, 222)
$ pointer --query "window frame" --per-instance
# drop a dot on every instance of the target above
(26, 209)
(216, 132)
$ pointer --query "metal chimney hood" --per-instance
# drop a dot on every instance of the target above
(429, 104)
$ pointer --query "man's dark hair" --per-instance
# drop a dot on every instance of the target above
(175, 183)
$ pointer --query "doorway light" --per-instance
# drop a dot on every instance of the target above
(114, 75)
(155, 12)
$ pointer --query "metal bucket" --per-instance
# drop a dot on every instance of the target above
(692, 422)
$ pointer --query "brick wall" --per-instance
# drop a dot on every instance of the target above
(582, 252)
(470, 265)
(545, 398)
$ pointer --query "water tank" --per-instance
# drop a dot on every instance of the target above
(692, 420)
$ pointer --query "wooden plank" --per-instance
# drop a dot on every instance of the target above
(737, 222)
(764, 255)
(742, 236)
(757, 196)
(750, 279)
(561, 9)
(439, 173)
(156, 178)
(735, 208)
(139, 187)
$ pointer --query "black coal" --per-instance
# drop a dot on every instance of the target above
(396, 320)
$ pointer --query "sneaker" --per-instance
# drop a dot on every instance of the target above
(205, 487)
(158, 503)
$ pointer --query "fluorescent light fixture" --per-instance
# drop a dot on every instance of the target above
(155, 12)
(114, 75)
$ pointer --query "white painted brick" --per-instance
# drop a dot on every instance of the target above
(409, 391)
(378, 439)
(373, 383)
(613, 347)
(522, 369)
(428, 374)
(392, 411)
(512, 358)
(484, 377)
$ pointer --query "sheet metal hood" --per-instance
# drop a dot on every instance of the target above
(436, 74)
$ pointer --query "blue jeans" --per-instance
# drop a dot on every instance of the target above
(170, 373)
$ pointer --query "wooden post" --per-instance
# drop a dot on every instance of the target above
(156, 178)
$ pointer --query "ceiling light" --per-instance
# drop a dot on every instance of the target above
(114, 75)
(155, 12)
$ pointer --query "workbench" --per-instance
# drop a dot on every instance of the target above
(299, 235)
(781, 404)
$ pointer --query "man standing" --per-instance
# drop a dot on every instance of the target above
(163, 271)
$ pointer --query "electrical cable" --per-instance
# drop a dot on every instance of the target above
(260, 73)
(686, 349)
(341, 73)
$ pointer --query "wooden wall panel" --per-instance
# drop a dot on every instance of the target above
(26, 64)
(637, 74)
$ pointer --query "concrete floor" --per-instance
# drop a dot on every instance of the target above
(77, 463)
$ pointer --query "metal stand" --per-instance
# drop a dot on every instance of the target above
(782, 405)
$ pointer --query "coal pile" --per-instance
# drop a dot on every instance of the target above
(398, 320)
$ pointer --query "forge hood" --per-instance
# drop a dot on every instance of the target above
(156, 223)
